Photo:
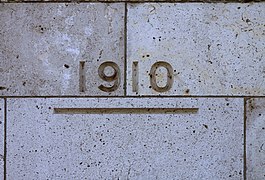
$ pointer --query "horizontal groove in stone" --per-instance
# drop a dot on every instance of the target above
(214, 131)
(121, 97)
(125, 110)
(130, 1)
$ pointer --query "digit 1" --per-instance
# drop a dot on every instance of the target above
(135, 77)
(170, 80)
(114, 77)
(82, 77)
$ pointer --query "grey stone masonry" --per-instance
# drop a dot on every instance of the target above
(100, 49)
(196, 49)
(255, 138)
(125, 138)
(136, 1)
(57, 49)
(131, 89)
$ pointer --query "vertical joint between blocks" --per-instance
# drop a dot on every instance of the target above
(125, 49)
(5, 138)
(245, 145)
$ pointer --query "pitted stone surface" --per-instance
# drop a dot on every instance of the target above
(2, 122)
(255, 138)
(214, 49)
(43, 46)
(48, 143)
(209, 1)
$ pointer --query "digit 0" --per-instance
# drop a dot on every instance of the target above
(170, 80)
(114, 77)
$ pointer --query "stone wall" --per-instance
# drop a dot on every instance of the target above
(132, 90)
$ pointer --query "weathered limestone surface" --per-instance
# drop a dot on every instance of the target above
(214, 49)
(74, 141)
(42, 46)
(57, 49)
(207, 1)
(61, 49)
(255, 138)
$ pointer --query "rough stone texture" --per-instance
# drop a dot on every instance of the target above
(209, 1)
(255, 138)
(42, 46)
(215, 49)
(207, 144)
(2, 122)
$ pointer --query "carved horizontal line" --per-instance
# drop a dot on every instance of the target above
(125, 110)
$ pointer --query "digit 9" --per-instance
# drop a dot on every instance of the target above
(115, 77)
